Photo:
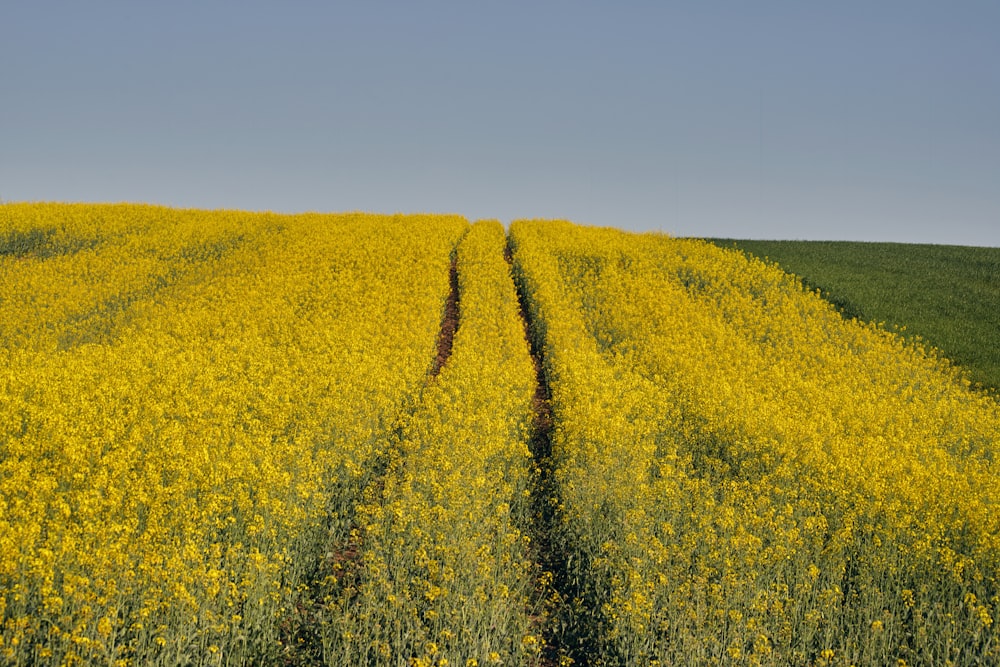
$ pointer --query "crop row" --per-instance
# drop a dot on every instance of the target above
(743, 476)
(444, 575)
(191, 406)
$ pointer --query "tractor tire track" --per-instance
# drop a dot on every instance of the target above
(300, 634)
(449, 323)
(549, 557)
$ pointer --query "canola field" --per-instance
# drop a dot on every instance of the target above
(233, 438)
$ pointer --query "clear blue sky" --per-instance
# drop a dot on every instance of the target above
(859, 120)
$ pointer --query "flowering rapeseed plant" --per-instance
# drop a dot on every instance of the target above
(446, 577)
(190, 402)
(746, 478)
(197, 408)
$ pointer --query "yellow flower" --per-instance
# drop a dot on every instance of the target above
(104, 626)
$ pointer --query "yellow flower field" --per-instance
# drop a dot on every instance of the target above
(445, 575)
(234, 438)
(191, 405)
(746, 478)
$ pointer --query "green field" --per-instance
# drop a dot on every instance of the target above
(949, 296)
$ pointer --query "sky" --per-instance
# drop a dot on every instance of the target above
(854, 120)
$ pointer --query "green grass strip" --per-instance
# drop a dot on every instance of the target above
(948, 296)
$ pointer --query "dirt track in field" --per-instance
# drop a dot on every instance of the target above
(449, 323)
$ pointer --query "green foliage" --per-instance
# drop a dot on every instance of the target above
(41, 243)
(948, 296)
(21, 243)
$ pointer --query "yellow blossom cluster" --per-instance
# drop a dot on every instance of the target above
(443, 575)
(743, 476)
(191, 403)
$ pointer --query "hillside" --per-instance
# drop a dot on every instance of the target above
(947, 295)
(232, 438)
